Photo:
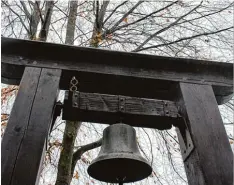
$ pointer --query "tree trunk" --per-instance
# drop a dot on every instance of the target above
(71, 23)
(68, 158)
(46, 22)
(98, 24)
(33, 18)
(71, 128)
(65, 160)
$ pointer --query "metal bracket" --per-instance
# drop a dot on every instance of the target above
(165, 107)
(75, 99)
(121, 104)
(185, 140)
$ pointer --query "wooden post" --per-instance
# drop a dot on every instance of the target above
(28, 126)
(211, 160)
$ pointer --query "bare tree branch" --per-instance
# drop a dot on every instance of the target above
(22, 22)
(114, 11)
(25, 10)
(38, 7)
(123, 17)
(79, 152)
(46, 23)
(145, 17)
(184, 38)
(102, 13)
(166, 28)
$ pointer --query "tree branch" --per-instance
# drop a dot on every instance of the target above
(182, 39)
(124, 16)
(38, 7)
(25, 10)
(46, 23)
(79, 152)
(22, 22)
(114, 11)
(166, 28)
(206, 15)
(145, 17)
(102, 13)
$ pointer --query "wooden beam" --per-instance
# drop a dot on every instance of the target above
(211, 160)
(24, 138)
(109, 109)
(14, 132)
(95, 67)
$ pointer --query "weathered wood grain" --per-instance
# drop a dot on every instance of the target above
(211, 161)
(28, 126)
(127, 71)
(15, 129)
(103, 108)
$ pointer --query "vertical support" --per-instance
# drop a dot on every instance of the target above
(211, 160)
(23, 142)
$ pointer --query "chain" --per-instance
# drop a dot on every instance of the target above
(73, 84)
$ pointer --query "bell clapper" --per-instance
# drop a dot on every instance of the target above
(121, 181)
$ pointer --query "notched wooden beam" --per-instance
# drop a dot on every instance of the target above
(109, 109)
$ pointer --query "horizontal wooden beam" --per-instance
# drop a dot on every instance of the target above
(109, 109)
(113, 72)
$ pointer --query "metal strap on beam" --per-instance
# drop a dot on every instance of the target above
(109, 109)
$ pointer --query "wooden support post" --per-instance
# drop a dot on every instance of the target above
(23, 142)
(211, 160)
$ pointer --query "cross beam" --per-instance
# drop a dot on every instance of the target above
(137, 88)
(112, 72)
(109, 109)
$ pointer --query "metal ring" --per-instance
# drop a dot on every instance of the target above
(73, 88)
(74, 82)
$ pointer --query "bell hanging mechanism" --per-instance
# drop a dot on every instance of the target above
(119, 160)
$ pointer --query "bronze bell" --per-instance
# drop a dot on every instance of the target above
(119, 160)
